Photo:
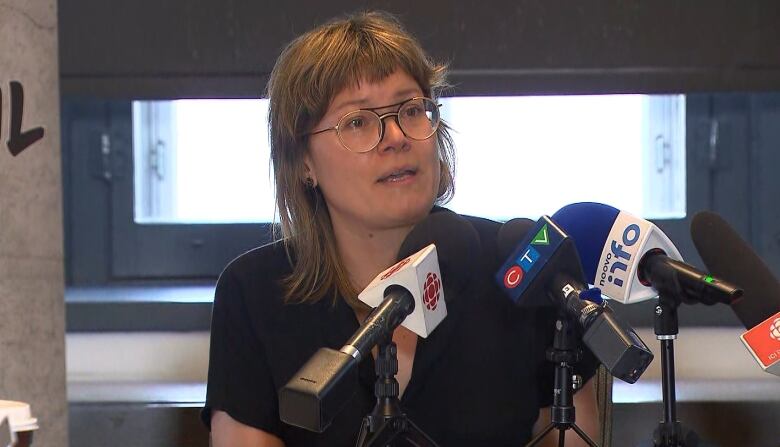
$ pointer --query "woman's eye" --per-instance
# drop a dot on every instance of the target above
(413, 111)
(355, 123)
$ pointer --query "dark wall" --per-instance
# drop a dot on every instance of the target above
(226, 48)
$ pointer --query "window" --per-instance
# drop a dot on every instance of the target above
(202, 161)
(529, 156)
(691, 153)
(206, 161)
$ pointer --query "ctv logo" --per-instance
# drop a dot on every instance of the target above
(614, 260)
(523, 263)
(514, 275)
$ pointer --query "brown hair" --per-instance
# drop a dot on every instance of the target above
(310, 71)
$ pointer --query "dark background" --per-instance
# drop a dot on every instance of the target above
(210, 48)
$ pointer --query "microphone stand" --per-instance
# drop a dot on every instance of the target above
(565, 353)
(387, 423)
(670, 432)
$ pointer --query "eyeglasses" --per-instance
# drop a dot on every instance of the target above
(363, 129)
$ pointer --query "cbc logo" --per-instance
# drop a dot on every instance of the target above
(774, 329)
(432, 287)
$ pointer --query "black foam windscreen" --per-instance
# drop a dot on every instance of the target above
(510, 235)
(457, 246)
(729, 257)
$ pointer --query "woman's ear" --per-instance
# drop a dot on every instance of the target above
(309, 175)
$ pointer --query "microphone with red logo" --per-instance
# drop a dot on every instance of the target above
(444, 239)
(726, 254)
(409, 293)
(543, 270)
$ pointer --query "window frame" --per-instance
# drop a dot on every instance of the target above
(105, 248)
(99, 167)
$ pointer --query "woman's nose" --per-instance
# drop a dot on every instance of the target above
(393, 137)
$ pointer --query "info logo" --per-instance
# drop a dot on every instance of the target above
(395, 268)
(431, 291)
(774, 329)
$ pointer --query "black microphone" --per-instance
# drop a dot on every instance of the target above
(546, 264)
(726, 254)
(326, 382)
(457, 243)
(510, 234)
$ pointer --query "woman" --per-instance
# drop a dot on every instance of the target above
(360, 156)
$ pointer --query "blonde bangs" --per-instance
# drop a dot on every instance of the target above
(342, 57)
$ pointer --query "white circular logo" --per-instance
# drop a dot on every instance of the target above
(774, 329)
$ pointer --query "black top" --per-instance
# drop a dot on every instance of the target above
(479, 379)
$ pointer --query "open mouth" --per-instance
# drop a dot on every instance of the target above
(398, 175)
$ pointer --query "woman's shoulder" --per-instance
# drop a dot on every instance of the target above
(487, 230)
(261, 268)
(483, 225)
(268, 258)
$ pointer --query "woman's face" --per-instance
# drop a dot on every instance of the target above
(393, 185)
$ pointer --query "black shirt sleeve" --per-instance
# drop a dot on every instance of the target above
(239, 378)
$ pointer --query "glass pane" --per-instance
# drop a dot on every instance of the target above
(207, 161)
(530, 156)
(202, 161)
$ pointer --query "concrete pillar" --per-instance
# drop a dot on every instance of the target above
(32, 310)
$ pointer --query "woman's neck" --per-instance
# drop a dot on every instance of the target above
(366, 253)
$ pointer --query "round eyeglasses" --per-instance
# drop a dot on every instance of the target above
(363, 129)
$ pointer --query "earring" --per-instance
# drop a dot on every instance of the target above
(309, 182)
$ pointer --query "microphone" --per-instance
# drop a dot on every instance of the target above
(409, 293)
(456, 241)
(726, 254)
(546, 264)
(510, 234)
(632, 260)
(419, 270)
(326, 382)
